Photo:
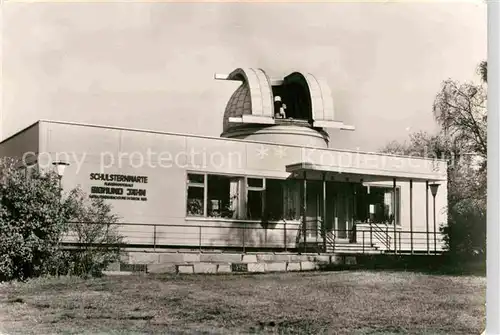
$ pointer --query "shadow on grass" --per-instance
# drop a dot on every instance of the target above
(425, 264)
(452, 271)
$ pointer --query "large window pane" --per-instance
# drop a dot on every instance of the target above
(292, 200)
(254, 205)
(222, 196)
(274, 199)
(382, 208)
(195, 201)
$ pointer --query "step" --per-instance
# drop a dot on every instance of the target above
(353, 245)
(346, 249)
(350, 252)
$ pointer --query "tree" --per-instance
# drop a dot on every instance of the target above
(34, 218)
(460, 111)
(483, 71)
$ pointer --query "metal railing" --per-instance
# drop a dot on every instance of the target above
(380, 235)
(282, 236)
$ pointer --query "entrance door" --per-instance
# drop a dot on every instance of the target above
(313, 213)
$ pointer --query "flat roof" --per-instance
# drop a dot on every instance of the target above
(212, 137)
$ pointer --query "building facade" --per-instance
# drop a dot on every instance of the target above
(269, 182)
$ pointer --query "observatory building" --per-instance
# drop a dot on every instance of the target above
(269, 182)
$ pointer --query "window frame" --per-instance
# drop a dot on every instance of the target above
(203, 185)
(262, 190)
(397, 218)
(241, 193)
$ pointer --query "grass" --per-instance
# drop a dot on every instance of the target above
(347, 302)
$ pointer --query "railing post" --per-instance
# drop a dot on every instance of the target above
(304, 211)
(427, 214)
(363, 241)
(388, 244)
(199, 237)
(399, 241)
(435, 243)
(243, 239)
(411, 216)
(316, 230)
(394, 213)
(371, 235)
(395, 243)
(284, 234)
(154, 237)
(323, 214)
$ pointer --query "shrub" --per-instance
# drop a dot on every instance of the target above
(34, 217)
(93, 230)
(465, 234)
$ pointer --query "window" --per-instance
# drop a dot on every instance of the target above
(223, 195)
(196, 195)
(381, 205)
(274, 199)
(196, 178)
(255, 198)
(213, 196)
(237, 197)
(292, 189)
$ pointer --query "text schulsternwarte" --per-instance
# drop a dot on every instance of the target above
(118, 178)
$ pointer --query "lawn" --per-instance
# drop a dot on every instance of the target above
(348, 302)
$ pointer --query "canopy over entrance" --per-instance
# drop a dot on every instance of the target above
(368, 174)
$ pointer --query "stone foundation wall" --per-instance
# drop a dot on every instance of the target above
(212, 263)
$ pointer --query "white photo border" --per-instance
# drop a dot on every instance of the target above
(493, 208)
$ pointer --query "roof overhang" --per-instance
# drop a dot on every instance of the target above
(377, 174)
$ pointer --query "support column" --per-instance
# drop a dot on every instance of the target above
(323, 219)
(354, 212)
(427, 214)
(304, 210)
(411, 216)
(394, 212)
(434, 221)
(205, 195)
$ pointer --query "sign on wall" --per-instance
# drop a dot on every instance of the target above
(118, 187)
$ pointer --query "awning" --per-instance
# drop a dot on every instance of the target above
(380, 173)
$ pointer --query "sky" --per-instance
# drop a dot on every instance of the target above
(151, 65)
